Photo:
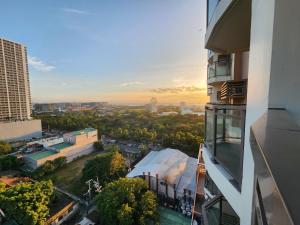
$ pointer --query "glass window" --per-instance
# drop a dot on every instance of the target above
(209, 130)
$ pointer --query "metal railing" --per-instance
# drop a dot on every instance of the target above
(224, 137)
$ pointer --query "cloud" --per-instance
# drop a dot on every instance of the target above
(132, 83)
(75, 11)
(177, 90)
(37, 64)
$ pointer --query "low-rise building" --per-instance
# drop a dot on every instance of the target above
(73, 145)
(61, 209)
(171, 174)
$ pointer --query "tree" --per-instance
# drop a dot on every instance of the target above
(106, 167)
(5, 148)
(112, 148)
(144, 149)
(127, 201)
(184, 132)
(49, 167)
(117, 166)
(27, 203)
(98, 146)
(9, 162)
(60, 162)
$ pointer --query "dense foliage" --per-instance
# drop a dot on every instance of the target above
(128, 202)
(49, 167)
(5, 148)
(183, 132)
(98, 146)
(27, 203)
(107, 167)
(9, 162)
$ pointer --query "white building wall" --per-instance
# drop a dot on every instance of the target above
(245, 65)
(20, 130)
(258, 88)
(285, 64)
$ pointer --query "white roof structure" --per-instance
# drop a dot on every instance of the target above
(172, 166)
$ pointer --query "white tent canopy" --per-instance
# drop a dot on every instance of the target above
(172, 166)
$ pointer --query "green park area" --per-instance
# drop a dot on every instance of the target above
(68, 177)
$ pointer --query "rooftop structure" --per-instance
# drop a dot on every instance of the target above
(79, 132)
(71, 146)
(12, 181)
(41, 155)
(169, 216)
(168, 167)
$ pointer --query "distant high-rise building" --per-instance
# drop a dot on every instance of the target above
(153, 105)
(15, 98)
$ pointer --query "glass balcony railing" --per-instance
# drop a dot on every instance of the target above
(218, 211)
(218, 69)
(224, 137)
(211, 6)
(211, 186)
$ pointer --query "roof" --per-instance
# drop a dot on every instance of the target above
(61, 146)
(40, 155)
(11, 181)
(85, 130)
(61, 201)
(171, 165)
(169, 216)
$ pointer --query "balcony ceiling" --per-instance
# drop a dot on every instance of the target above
(229, 29)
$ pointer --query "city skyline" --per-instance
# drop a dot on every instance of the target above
(152, 49)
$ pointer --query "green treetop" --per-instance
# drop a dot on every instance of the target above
(27, 203)
(127, 201)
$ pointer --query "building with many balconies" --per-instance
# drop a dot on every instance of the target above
(252, 119)
(15, 99)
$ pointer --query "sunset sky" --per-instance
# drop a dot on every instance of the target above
(121, 51)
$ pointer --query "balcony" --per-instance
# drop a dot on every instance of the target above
(233, 89)
(275, 141)
(211, 186)
(219, 71)
(209, 91)
(218, 211)
(224, 138)
(228, 25)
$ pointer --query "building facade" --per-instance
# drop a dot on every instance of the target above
(71, 146)
(252, 120)
(15, 97)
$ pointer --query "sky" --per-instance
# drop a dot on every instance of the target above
(120, 51)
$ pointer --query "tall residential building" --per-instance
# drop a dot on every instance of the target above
(15, 100)
(252, 132)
